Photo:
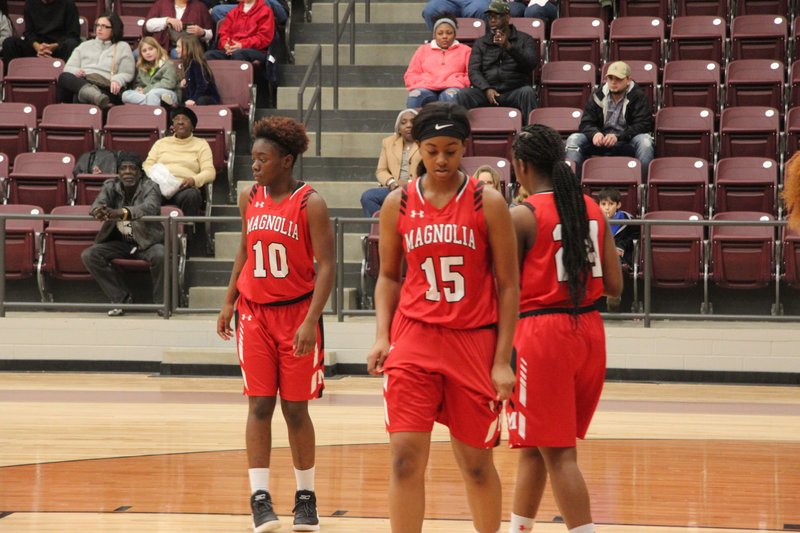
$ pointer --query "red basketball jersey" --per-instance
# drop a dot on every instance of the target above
(544, 283)
(449, 279)
(280, 259)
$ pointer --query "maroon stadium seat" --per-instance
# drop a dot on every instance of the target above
(645, 74)
(698, 37)
(501, 164)
(234, 81)
(749, 131)
(470, 30)
(792, 131)
(133, 26)
(791, 257)
(622, 173)
(134, 128)
(17, 129)
(678, 184)
(646, 8)
(637, 38)
(536, 29)
(796, 37)
(794, 83)
(370, 264)
(565, 120)
(32, 80)
(41, 178)
(70, 128)
(493, 131)
(22, 241)
(567, 84)
(692, 83)
(742, 257)
(86, 187)
(685, 132)
(583, 8)
(759, 37)
(746, 184)
(578, 39)
(135, 8)
(215, 125)
(762, 7)
(754, 82)
(676, 252)
(714, 8)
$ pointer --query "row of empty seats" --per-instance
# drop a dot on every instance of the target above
(676, 8)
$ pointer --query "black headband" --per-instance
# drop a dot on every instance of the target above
(444, 128)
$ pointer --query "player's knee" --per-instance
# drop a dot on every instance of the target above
(479, 474)
(295, 413)
(407, 465)
(262, 408)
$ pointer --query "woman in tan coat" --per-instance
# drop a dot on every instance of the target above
(397, 164)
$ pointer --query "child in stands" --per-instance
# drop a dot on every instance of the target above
(198, 81)
(156, 76)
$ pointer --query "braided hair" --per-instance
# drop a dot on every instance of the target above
(543, 148)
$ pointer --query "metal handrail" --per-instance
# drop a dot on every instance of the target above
(316, 100)
(349, 15)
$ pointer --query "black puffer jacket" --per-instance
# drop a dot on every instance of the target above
(638, 116)
(493, 67)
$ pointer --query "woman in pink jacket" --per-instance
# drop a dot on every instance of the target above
(438, 70)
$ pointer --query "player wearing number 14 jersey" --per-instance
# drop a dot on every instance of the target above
(279, 302)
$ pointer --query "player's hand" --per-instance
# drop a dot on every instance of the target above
(377, 356)
(224, 322)
(504, 380)
(305, 339)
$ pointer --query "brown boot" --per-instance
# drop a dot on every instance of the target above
(90, 94)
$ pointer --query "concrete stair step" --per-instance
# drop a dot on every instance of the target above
(353, 98)
(380, 12)
(336, 193)
(323, 168)
(212, 297)
(344, 119)
(375, 32)
(227, 244)
(366, 54)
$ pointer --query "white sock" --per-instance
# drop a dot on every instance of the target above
(476, 531)
(520, 523)
(585, 528)
(305, 479)
(259, 479)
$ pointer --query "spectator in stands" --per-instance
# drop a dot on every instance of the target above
(122, 201)
(617, 120)
(791, 190)
(168, 20)
(438, 70)
(547, 10)
(156, 76)
(489, 176)
(52, 29)
(610, 201)
(245, 33)
(501, 66)
(197, 85)
(434, 9)
(185, 157)
(6, 26)
(99, 68)
(397, 164)
(279, 8)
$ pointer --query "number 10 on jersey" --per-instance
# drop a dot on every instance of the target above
(276, 255)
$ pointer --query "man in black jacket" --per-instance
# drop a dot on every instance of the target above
(617, 120)
(501, 66)
(120, 204)
(52, 29)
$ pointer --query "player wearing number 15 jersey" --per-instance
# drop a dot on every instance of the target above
(444, 334)
(568, 260)
(279, 302)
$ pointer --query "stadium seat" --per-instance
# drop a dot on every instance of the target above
(17, 129)
(32, 80)
(742, 257)
(133, 26)
(754, 82)
(749, 131)
(134, 8)
(698, 37)
(18, 22)
(746, 184)
(685, 132)
(645, 74)
(41, 178)
(86, 187)
(22, 241)
(578, 39)
(622, 173)
(83, 23)
(796, 38)
(470, 30)
(763, 7)
(790, 251)
(64, 240)
(215, 125)
(501, 164)
(493, 131)
(646, 8)
(692, 83)
(567, 84)
(134, 128)
(794, 82)
(637, 38)
(90, 10)
(583, 8)
(536, 29)
(678, 184)
(234, 81)
(70, 128)
(565, 120)
(759, 37)
(370, 264)
(714, 8)
(792, 131)
(677, 259)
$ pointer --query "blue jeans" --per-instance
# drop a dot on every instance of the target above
(434, 9)
(579, 147)
(372, 200)
(243, 54)
(420, 97)
(218, 12)
(548, 12)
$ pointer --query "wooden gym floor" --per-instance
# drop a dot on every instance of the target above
(136, 453)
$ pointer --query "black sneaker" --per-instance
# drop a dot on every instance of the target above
(305, 511)
(264, 518)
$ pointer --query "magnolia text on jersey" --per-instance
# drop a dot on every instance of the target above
(274, 223)
(439, 233)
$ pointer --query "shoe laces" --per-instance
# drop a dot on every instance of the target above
(262, 502)
(304, 504)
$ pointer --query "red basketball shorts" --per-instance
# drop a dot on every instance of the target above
(264, 336)
(440, 374)
(560, 372)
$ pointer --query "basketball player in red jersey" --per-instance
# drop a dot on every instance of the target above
(444, 334)
(568, 260)
(279, 302)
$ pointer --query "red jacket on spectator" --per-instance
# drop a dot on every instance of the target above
(196, 13)
(253, 29)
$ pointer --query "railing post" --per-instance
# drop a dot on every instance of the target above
(172, 226)
(166, 275)
(351, 10)
(339, 271)
(647, 271)
(336, 54)
(2, 266)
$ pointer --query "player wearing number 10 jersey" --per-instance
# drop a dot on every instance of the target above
(568, 260)
(444, 334)
(279, 302)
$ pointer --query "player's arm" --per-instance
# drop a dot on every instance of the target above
(387, 288)
(612, 271)
(321, 231)
(503, 244)
(525, 228)
(226, 313)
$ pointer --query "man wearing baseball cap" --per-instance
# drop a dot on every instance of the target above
(501, 66)
(617, 120)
